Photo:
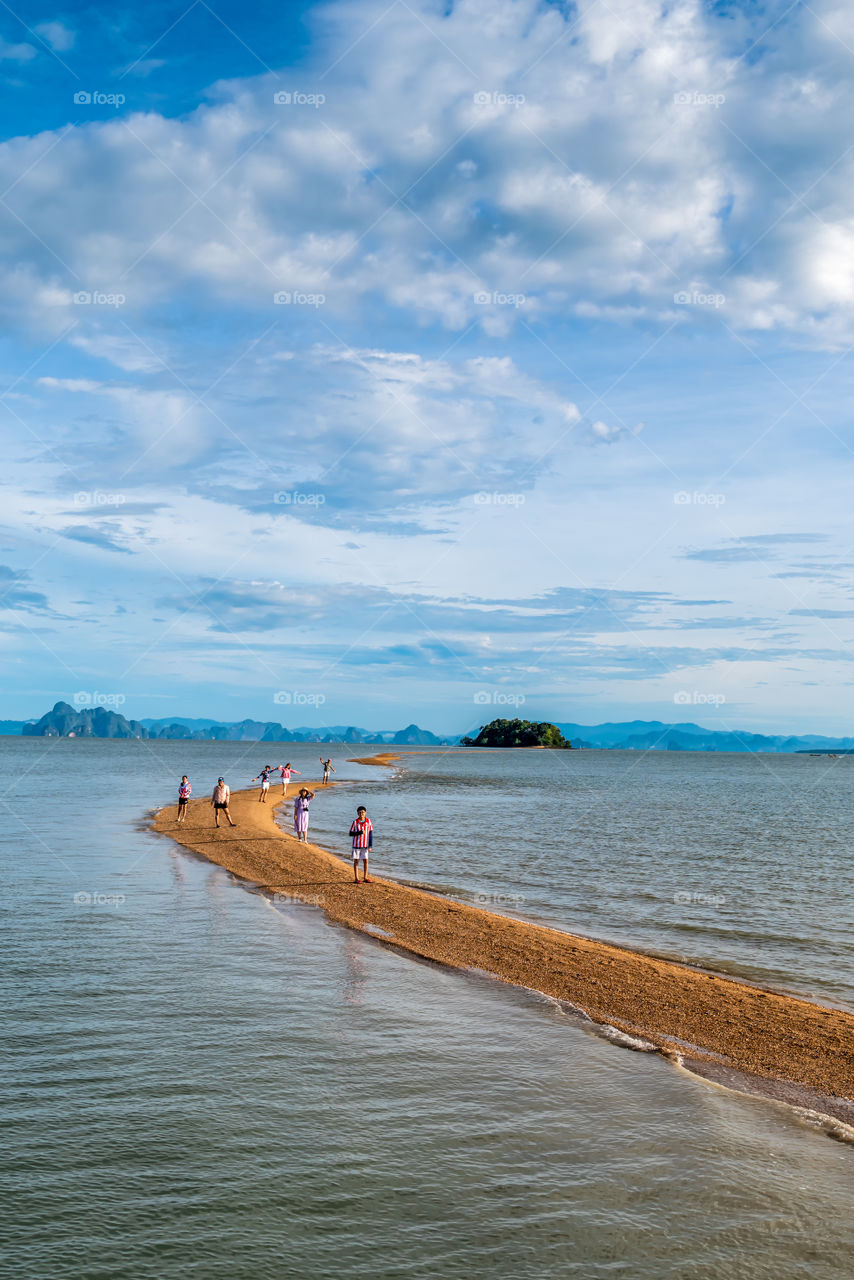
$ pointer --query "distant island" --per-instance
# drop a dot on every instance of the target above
(66, 721)
(517, 733)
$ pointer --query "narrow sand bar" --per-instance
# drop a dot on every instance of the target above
(729, 1031)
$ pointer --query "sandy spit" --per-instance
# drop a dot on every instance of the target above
(724, 1025)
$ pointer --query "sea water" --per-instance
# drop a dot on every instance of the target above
(741, 862)
(202, 1083)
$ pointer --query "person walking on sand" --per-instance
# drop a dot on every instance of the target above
(183, 798)
(327, 769)
(264, 779)
(362, 831)
(285, 772)
(219, 799)
(301, 804)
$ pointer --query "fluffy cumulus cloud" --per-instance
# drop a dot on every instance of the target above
(487, 162)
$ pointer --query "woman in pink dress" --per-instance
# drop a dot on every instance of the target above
(301, 804)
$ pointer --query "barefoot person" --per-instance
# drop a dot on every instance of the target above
(183, 798)
(362, 831)
(264, 779)
(285, 772)
(220, 797)
(327, 769)
(301, 804)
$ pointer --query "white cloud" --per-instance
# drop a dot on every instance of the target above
(16, 52)
(57, 35)
(456, 463)
(597, 192)
(71, 384)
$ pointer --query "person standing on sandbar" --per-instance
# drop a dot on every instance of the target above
(264, 779)
(362, 831)
(285, 773)
(183, 798)
(301, 804)
(327, 769)
(220, 797)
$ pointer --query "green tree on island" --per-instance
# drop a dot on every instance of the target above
(517, 733)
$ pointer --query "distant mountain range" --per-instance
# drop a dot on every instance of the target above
(65, 721)
(653, 735)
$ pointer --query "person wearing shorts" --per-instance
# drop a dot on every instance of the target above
(362, 832)
(264, 779)
(285, 772)
(220, 797)
(183, 798)
(327, 769)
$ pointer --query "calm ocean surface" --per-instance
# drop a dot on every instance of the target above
(199, 1084)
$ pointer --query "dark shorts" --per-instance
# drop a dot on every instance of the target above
(220, 804)
(182, 802)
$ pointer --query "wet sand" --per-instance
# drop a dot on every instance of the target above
(385, 758)
(732, 1032)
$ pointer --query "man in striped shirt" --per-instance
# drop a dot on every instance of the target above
(362, 831)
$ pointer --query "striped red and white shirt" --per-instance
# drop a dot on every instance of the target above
(361, 830)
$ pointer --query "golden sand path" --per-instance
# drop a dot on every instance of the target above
(722, 1025)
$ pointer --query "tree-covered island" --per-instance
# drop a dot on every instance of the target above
(518, 733)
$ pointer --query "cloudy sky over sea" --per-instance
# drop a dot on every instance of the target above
(406, 357)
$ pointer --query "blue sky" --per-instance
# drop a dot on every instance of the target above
(368, 362)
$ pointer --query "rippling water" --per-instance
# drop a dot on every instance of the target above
(200, 1084)
(743, 863)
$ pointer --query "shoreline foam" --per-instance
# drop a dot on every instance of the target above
(779, 1046)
